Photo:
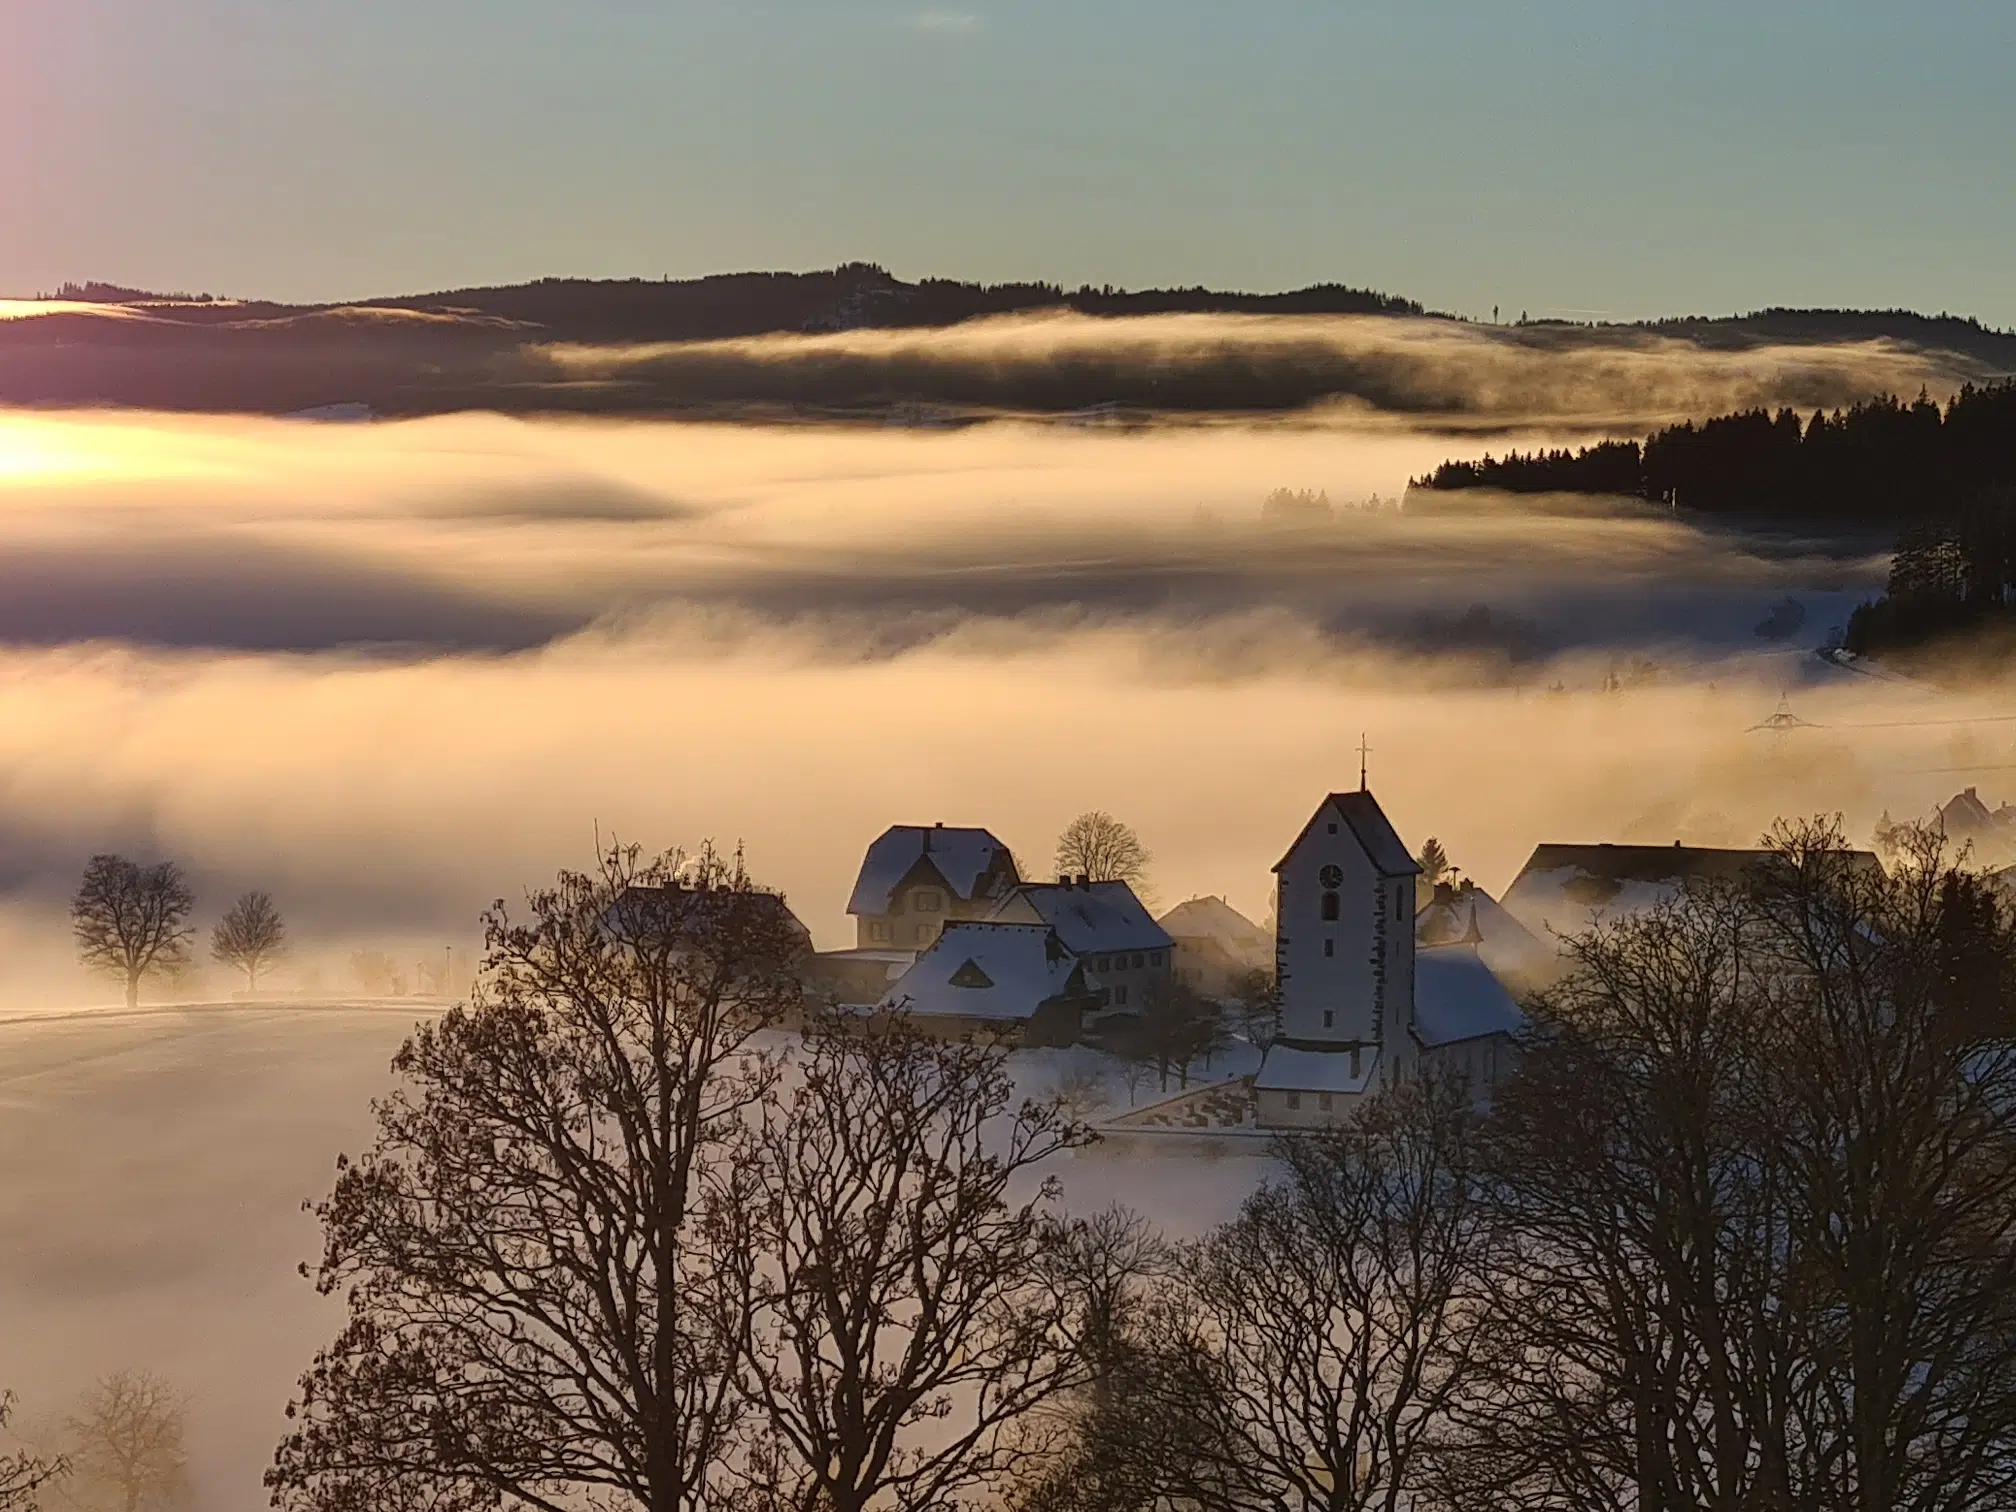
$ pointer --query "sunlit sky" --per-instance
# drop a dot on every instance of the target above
(1558, 156)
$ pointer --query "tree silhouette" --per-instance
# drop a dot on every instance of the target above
(21, 1474)
(1434, 861)
(250, 937)
(125, 1442)
(131, 922)
(525, 1251)
(1098, 846)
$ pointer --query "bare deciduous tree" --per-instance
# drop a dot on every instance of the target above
(1336, 1320)
(377, 974)
(250, 937)
(1760, 1166)
(22, 1474)
(1258, 1004)
(1098, 846)
(529, 1279)
(124, 1446)
(131, 922)
(898, 1331)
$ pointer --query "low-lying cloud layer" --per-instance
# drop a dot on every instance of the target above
(1443, 371)
(393, 672)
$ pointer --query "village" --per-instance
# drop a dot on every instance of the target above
(1379, 964)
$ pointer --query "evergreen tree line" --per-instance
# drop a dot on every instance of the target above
(1738, 1232)
(1882, 462)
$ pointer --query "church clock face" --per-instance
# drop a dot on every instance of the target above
(1331, 876)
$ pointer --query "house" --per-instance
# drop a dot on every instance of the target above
(1214, 944)
(991, 976)
(1965, 820)
(1563, 889)
(1465, 1019)
(1104, 925)
(916, 878)
(1465, 913)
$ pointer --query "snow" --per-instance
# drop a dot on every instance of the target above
(1101, 916)
(1022, 968)
(1288, 1069)
(153, 1165)
(1214, 919)
(1458, 997)
(1507, 946)
(961, 857)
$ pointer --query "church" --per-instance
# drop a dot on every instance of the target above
(1363, 1005)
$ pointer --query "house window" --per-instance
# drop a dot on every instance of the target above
(923, 933)
(1329, 948)
(1330, 908)
(1323, 1101)
(1400, 907)
(878, 931)
(1329, 1019)
(1120, 995)
(927, 900)
(1101, 964)
(1155, 958)
(1333, 829)
(1139, 960)
(1294, 1101)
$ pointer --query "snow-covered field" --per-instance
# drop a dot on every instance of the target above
(152, 1171)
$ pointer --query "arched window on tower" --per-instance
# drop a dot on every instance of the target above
(1329, 906)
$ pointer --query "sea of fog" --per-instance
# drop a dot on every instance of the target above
(393, 672)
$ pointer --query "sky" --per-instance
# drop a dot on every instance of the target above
(1578, 158)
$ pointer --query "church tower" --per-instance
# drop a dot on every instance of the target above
(1344, 934)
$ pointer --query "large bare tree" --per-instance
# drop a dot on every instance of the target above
(131, 921)
(1098, 846)
(1760, 1169)
(125, 1446)
(250, 937)
(1335, 1321)
(899, 1330)
(531, 1285)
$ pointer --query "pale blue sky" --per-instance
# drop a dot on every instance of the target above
(1557, 155)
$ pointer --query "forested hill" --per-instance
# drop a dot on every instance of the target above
(728, 305)
(1882, 462)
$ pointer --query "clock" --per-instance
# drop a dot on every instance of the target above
(1331, 876)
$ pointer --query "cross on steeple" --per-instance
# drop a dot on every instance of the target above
(1364, 751)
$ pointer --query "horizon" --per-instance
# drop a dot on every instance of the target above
(1818, 157)
(77, 289)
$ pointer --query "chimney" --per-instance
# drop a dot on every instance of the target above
(1063, 879)
(1974, 794)
(1084, 881)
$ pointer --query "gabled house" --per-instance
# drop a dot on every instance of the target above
(1214, 944)
(1104, 925)
(917, 878)
(988, 976)
(1563, 889)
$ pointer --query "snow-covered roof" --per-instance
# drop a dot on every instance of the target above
(1098, 916)
(988, 970)
(971, 863)
(1470, 914)
(1457, 997)
(1562, 888)
(1369, 825)
(1218, 921)
(1289, 1069)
